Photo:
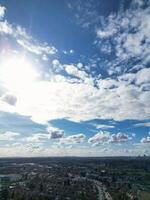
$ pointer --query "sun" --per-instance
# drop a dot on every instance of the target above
(17, 73)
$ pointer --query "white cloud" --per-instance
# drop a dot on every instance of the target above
(71, 51)
(2, 11)
(55, 63)
(5, 28)
(128, 32)
(37, 137)
(20, 36)
(36, 48)
(62, 98)
(143, 76)
(37, 149)
(103, 34)
(75, 96)
(132, 42)
(21, 149)
(133, 134)
(8, 136)
(80, 65)
(80, 96)
(55, 133)
(104, 137)
(107, 83)
(20, 31)
(125, 33)
(67, 97)
(72, 139)
(119, 137)
(147, 124)
(74, 71)
(44, 57)
(57, 66)
(146, 140)
(51, 133)
(5, 107)
(100, 138)
(103, 126)
(9, 98)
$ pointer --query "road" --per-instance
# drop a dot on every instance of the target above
(102, 192)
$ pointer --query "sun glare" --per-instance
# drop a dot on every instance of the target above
(17, 73)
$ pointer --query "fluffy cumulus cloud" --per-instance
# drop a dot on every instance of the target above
(8, 136)
(104, 137)
(55, 133)
(123, 34)
(57, 66)
(129, 30)
(72, 139)
(74, 71)
(146, 140)
(37, 137)
(64, 97)
(2, 11)
(100, 138)
(141, 77)
(119, 137)
(5, 28)
(50, 133)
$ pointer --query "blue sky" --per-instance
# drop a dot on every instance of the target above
(74, 78)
